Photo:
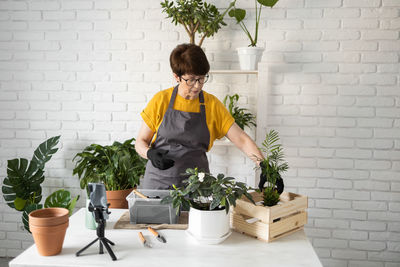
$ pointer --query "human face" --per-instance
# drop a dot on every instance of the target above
(190, 85)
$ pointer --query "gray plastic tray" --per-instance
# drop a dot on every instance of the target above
(151, 211)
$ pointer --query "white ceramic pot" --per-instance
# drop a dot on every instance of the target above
(208, 227)
(249, 57)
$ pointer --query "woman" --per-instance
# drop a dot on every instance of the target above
(181, 123)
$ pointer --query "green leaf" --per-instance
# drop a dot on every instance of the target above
(72, 204)
(269, 3)
(19, 203)
(215, 203)
(45, 151)
(25, 215)
(166, 200)
(237, 13)
(21, 182)
(60, 198)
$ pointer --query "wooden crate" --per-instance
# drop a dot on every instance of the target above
(274, 222)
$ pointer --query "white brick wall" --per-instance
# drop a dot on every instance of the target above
(85, 69)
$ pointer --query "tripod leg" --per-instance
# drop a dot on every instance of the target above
(91, 243)
(109, 241)
(108, 249)
(100, 247)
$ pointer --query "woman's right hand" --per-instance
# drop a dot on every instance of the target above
(159, 159)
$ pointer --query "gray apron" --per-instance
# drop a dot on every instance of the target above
(186, 136)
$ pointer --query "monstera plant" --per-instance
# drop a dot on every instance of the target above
(22, 188)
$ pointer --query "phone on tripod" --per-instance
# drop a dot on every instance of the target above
(98, 206)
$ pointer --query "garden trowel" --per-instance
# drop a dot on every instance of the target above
(157, 235)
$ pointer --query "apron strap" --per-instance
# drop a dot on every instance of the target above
(202, 107)
(201, 100)
(173, 96)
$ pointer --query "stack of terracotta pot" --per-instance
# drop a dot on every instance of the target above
(48, 227)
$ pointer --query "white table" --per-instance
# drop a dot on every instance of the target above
(180, 249)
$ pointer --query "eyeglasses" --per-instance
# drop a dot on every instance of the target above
(191, 82)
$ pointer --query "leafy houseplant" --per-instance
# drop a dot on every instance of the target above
(242, 117)
(209, 199)
(240, 14)
(272, 167)
(118, 166)
(205, 192)
(22, 187)
(251, 55)
(196, 16)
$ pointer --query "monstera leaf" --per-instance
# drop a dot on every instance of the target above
(45, 151)
(61, 199)
(25, 214)
(22, 184)
(22, 187)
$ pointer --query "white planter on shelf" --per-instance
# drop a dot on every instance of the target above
(249, 57)
(208, 226)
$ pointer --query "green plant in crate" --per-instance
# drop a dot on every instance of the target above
(272, 167)
(22, 188)
(118, 166)
(203, 191)
(240, 14)
(242, 116)
(196, 16)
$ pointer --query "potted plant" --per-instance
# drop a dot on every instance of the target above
(196, 16)
(22, 191)
(251, 55)
(118, 166)
(208, 199)
(242, 116)
(271, 168)
(276, 213)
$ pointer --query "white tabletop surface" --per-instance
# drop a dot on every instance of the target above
(180, 249)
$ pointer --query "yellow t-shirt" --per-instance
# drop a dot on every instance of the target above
(218, 118)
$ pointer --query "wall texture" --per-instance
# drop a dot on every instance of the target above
(85, 69)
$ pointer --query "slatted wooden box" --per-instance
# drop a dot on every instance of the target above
(274, 222)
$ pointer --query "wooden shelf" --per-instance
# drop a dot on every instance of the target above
(234, 72)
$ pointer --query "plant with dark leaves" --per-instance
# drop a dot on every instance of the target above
(22, 188)
(272, 167)
(240, 14)
(206, 192)
(118, 166)
(196, 16)
(243, 117)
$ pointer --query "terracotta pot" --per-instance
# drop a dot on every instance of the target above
(48, 227)
(117, 198)
(48, 216)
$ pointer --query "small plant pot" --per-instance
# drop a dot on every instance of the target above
(117, 198)
(249, 57)
(48, 227)
(208, 226)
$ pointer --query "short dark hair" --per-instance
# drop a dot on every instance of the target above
(189, 59)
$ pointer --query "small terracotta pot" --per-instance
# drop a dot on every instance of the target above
(117, 198)
(48, 227)
(48, 216)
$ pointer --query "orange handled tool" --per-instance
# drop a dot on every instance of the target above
(157, 235)
(140, 194)
(143, 240)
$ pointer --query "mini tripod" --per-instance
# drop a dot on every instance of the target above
(99, 217)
